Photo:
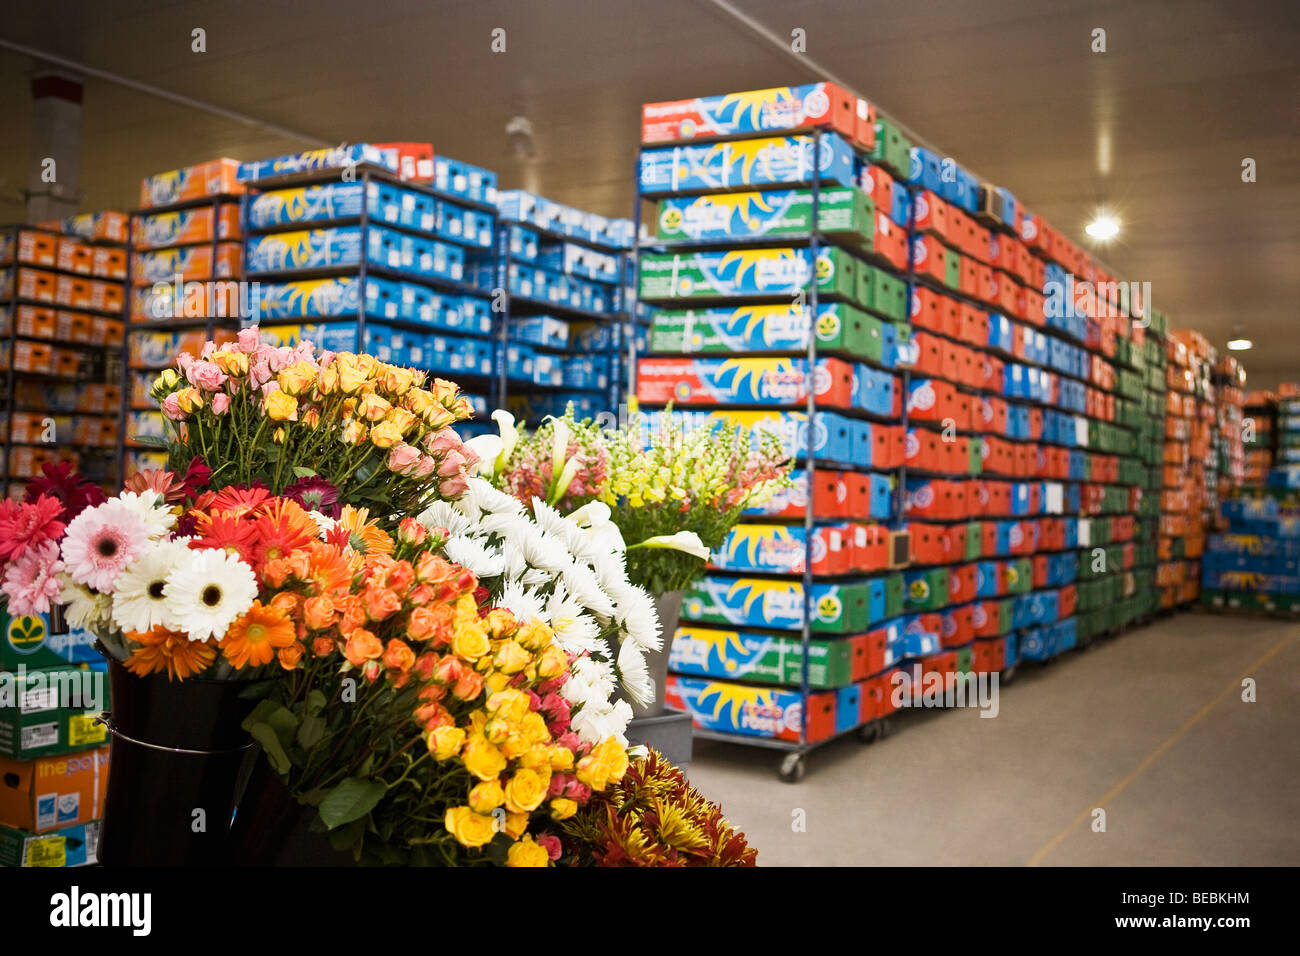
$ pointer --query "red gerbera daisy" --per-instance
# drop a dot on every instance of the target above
(239, 499)
(228, 532)
(282, 527)
(73, 490)
(25, 525)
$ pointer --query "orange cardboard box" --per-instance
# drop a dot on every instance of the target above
(37, 248)
(108, 263)
(50, 793)
(75, 256)
(36, 284)
(193, 182)
(36, 321)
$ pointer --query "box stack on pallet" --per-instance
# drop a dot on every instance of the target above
(1259, 435)
(1187, 447)
(61, 295)
(562, 271)
(1284, 476)
(184, 275)
(772, 267)
(53, 751)
(1229, 379)
(990, 400)
(1255, 564)
(364, 248)
(1149, 338)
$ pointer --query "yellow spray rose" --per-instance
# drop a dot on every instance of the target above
(281, 406)
(562, 808)
(470, 642)
(486, 796)
(385, 435)
(190, 399)
(525, 791)
(469, 828)
(482, 758)
(516, 825)
(511, 658)
(297, 378)
(527, 853)
(445, 742)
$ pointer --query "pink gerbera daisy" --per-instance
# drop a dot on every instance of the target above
(31, 583)
(101, 542)
(24, 525)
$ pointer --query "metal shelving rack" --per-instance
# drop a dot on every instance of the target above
(11, 301)
(365, 175)
(510, 305)
(209, 322)
(792, 765)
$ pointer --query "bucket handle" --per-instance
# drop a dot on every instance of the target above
(106, 718)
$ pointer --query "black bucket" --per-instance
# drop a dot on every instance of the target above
(174, 766)
(271, 828)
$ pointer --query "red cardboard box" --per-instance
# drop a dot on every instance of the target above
(963, 580)
(930, 257)
(414, 161)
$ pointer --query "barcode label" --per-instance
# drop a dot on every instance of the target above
(38, 736)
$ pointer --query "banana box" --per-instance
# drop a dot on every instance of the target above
(769, 658)
(28, 641)
(108, 226)
(188, 262)
(768, 161)
(309, 298)
(338, 157)
(754, 111)
(213, 178)
(845, 211)
(781, 549)
(52, 710)
(158, 349)
(743, 381)
(462, 179)
(725, 707)
(784, 271)
(833, 435)
(840, 608)
(179, 227)
(767, 328)
(831, 498)
(306, 249)
(138, 461)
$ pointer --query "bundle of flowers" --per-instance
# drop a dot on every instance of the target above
(675, 492)
(329, 428)
(570, 574)
(652, 817)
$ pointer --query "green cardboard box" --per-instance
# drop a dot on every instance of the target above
(51, 710)
(952, 270)
(974, 541)
(842, 210)
(746, 272)
(77, 845)
(27, 642)
(895, 587)
(881, 293)
(892, 150)
(928, 590)
(780, 328)
(762, 657)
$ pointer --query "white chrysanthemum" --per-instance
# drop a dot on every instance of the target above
(595, 682)
(85, 608)
(583, 584)
(535, 578)
(139, 598)
(486, 498)
(635, 675)
(324, 523)
(440, 514)
(639, 617)
(523, 603)
(206, 591)
(506, 525)
(593, 725)
(575, 631)
(543, 550)
(149, 507)
(553, 523)
(476, 555)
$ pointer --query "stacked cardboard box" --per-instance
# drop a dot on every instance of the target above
(61, 297)
(730, 325)
(1254, 563)
(1259, 435)
(53, 753)
(365, 247)
(1229, 433)
(563, 272)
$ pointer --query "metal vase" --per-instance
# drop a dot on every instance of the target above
(669, 608)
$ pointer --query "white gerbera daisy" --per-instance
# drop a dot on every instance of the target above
(207, 591)
(474, 554)
(324, 522)
(139, 601)
(636, 679)
(522, 602)
(85, 608)
(149, 507)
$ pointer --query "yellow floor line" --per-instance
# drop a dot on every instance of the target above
(1155, 755)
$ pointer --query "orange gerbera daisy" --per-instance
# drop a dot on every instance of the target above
(256, 635)
(227, 531)
(364, 536)
(171, 651)
(282, 528)
(327, 569)
(239, 500)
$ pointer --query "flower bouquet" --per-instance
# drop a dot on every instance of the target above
(672, 492)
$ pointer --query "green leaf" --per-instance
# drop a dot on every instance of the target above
(350, 801)
(316, 702)
(310, 731)
(301, 472)
(258, 690)
(346, 837)
(265, 735)
(154, 441)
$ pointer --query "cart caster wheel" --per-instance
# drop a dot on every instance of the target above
(792, 768)
(1009, 674)
(887, 727)
(870, 732)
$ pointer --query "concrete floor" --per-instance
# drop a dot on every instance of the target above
(1149, 726)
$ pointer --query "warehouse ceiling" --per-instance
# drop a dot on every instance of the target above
(1156, 127)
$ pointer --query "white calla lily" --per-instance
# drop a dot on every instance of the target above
(509, 436)
(489, 449)
(686, 541)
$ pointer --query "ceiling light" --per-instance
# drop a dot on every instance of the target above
(1103, 227)
(1240, 345)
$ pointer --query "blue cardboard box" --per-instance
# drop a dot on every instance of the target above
(767, 161)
